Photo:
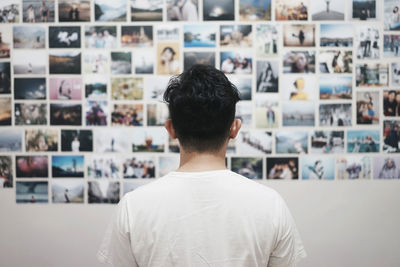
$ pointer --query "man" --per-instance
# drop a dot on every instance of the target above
(202, 214)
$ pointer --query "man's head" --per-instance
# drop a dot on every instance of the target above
(201, 102)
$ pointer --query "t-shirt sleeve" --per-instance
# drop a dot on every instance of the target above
(288, 248)
(115, 249)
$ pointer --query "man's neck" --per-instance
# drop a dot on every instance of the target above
(206, 161)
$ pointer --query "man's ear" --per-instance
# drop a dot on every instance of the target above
(235, 127)
(170, 128)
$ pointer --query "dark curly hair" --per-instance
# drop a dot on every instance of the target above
(201, 103)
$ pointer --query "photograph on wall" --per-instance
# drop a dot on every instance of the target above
(327, 142)
(391, 15)
(291, 9)
(77, 140)
(64, 37)
(250, 167)
(149, 140)
(5, 41)
(29, 62)
(112, 140)
(250, 10)
(244, 112)
(282, 168)
(30, 114)
(5, 111)
(336, 35)
(255, 142)
(335, 61)
(364, 9)
(391, 136)
(67, 191)
(66, 114)
(236, 35)
(298, 113)
(395, 69)
(243, 85)
(6, 172)
(103, 166)
(335, 87)
(133, 185)
(66, 88)
(30, 88)
(302, 35)
(238, 62)
(370, 74)
(139, 167)
(387, 167)
(127, 88)
(10, 140)
(391, 103)
(353, 167)
(199, 35)
(221, 10)
(391, 43)
(101, 37)
(155, 87)
(335, 115)
(317, 168)
(267, 111)
(103, 191)
(157, 114)
(32, 192)
(173, 145)
(38, 11)
(299, 88)
(291, 142)
(299, 62)
(267, 76)
(121, 62)
(168, 32)
(167, 164)
(29, 37)
(32, 166)
(266, 41)
(96, 112)
(367, 41)
(9, 11)
(5, 78)
(192, 58)
(146, 10)
(182, 10)
(368, 107)
(95, 62)
(96, 87)
(168, 58)
(363, 141)
(104, 10)
(127, 115)
(327, 10)
(41, 140)
(74, 10)
(71, 166)
(65, 61)
(144, 61)
(137, 36)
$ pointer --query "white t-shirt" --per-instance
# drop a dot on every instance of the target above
(212, 218)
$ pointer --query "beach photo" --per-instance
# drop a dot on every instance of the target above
(38, 11)
(32, 192)
(298, 113)
(363, 141)
(67, 191)
(291, 142)
(267, 110)
(336, 35)
(335, 87)
(29, 62)
(74, 10)
(26, 37)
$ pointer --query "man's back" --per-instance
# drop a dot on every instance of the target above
(210, 218)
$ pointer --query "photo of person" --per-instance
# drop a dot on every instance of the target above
(364, 9)
(5, 78)
(267, 111)
(144, 62)
(387, 167)
(250, 167)
(31, 166)
(5, 111)
(38, 11)
(353, 167)
(103, 191)
(10, 140)
(335, 115)
(236, 62)
(391, 103)
(221, 10)
(391, 43)
(299, 88)
(336, 35)
(236, 35)
(391, 15)
(267, 38)
(105, 10)
(391, 136)
(139, 167)
(335, 87)
(29, 62)
(192, 58)
(317, 168)
(168, 58)
(30, 114)
(9, 11)
(327, 142)
(136, 36)
(30, 88)
(96, 87)
(101, 37)
(5, 41)
(41, 140)
(369, 74)
(291, 142)
(32, 192)
(67, 166)
(368, 107)
(182, 10)
(96, 113)
(6, 172)
(112, 140)
(243, 85)
(395, 74)
(146, 10)
(65, 61)
(149, 140)
(335, 61)
(67, 88)
(29, 37)
(282, 168)
(368, 43)
(74, 10)
(171, 32)
(77, 140)
(103, 166)
(127, 88)
(256, 142)
(298, 113)
(302, 35)
(299, 62)
(66, 114)
(127, 115)
(121, 62)
(291, 9)
(363, 141)
(327, 10)
(250, 10)
(67, 191)
(65, 37)
(95, 62)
